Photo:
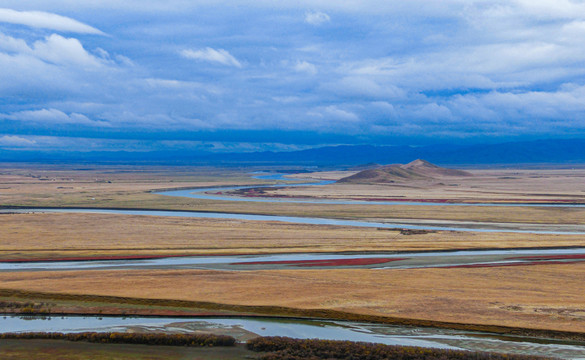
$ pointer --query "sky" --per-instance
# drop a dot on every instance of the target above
(227, 76)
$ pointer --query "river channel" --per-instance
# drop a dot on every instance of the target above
(370, 260)
(246, 328)
(217, 193)
(413, 224)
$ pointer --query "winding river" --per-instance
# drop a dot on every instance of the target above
(243, 328)
(413, 224)
(216, 193)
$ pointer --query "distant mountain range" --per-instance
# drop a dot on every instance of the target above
(568, 151)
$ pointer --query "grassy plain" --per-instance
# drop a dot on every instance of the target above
(130, 187)
(496, 185)
(52, 235)
(536, 297)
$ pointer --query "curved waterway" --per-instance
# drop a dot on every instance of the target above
(413, 224)
(246, 328)
(380, 261)
(216, 193)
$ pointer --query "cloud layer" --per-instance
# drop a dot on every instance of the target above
(220, 56)
(292, 72)
(45, 20)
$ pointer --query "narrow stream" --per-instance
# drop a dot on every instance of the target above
(380, 261)
(439, 225)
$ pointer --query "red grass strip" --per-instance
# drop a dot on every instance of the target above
(332, 262)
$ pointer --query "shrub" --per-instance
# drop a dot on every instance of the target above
(298, 349)
(195, 340)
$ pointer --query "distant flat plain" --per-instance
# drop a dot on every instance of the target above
(542, 296)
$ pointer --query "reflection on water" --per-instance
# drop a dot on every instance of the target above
(245, 328)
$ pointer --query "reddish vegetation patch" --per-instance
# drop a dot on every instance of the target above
(332, 262)
(93, 258)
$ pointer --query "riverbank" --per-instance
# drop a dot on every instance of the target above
(31, 303)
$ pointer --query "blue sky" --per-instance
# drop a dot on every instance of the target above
(284, 75)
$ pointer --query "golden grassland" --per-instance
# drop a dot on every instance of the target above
(536, 297)
(122, 187)
(46, 235)
(485, 185)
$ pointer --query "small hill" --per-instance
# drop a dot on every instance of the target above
(427, 169)
(418, 169)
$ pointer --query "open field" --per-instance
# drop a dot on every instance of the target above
(50, 235)
(500, 185)
(130, 188)
(537, 297)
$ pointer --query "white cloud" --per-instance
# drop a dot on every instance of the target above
(212, 55)
(306, 67)
(181, 85)
(551, 9)
(13, 45)
(15, 141)
(364, 86)
(59, 50)
(54, 49)
(46, 20)
(316, 17)
(333, 112)
(474, 65)
(51, 117)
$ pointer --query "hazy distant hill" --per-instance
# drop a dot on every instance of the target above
(526, 152)
(418, 169)
(425, 168)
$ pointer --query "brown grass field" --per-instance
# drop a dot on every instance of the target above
(129, 187)
(30, 236)
(498, 185)
(536, 297)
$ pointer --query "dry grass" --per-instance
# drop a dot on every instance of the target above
(59, 235)
(535, 297)
(485, 185)
(539, 297)
(130, 187)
